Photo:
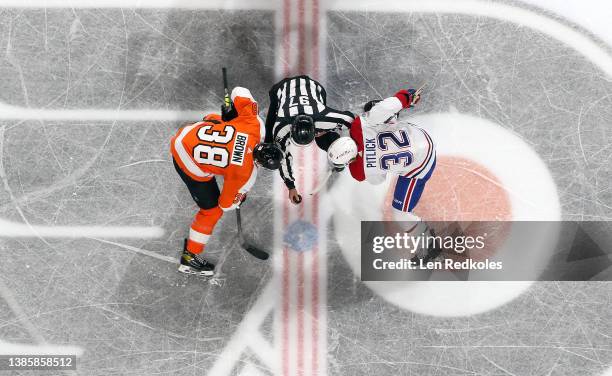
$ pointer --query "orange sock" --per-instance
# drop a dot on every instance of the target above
(202, 228)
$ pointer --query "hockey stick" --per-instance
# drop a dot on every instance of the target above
(418, 93)
(254, 251)
(322, 183)
(228, 111)
(422, 87)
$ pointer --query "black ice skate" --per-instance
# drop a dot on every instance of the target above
(433, 254)
(430, 253)
(192, 264)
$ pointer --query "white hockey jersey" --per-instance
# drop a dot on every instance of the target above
(385, 146)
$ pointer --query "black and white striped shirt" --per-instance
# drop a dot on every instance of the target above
(300, 95)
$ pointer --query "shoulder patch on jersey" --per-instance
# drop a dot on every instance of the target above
(239, 150)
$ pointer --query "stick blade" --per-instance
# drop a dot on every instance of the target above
(256, 252)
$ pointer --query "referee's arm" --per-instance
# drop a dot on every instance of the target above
(272, 114)
(331, 119)
(286, 167)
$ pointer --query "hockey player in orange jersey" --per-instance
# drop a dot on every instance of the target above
(213, 147)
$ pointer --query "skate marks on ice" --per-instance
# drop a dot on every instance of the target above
(492, 10)
(127, 93)
(92, 98)
(111, 95)
(489, 78)
(248, 336)
(268, 5)
(447, 333)
(474, 155)
(40, 346)
(467, 299)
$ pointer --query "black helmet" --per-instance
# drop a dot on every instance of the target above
(368, 106)
(268, 155)
(302, 130)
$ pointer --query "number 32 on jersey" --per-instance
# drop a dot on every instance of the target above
(396, 143)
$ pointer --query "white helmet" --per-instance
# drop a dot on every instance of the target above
(342, 152)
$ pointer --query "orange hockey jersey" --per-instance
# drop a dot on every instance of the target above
(214, 147)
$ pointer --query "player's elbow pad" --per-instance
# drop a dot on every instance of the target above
(239, 91)
(244, 103)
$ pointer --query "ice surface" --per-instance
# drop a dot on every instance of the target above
(131, 313)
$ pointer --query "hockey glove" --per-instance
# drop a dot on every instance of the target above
(408, 97)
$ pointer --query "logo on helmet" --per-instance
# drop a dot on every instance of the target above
(343, 154)
(342, 151)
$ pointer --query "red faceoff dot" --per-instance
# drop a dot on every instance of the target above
(463, 190)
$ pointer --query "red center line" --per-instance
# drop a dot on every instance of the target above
(301, 38)
(315, 39)
(304, 68)
(315, 205)
(300, 256)
(301, 178)
(285, 300)
(286, 35)
(300, 318)
(286, 264)
(315, 279)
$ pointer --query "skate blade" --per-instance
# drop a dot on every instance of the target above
(187, 270)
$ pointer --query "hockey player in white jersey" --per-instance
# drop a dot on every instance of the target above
(378, 144)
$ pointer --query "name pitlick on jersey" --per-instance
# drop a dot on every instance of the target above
(239, 150)
(370, 148)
